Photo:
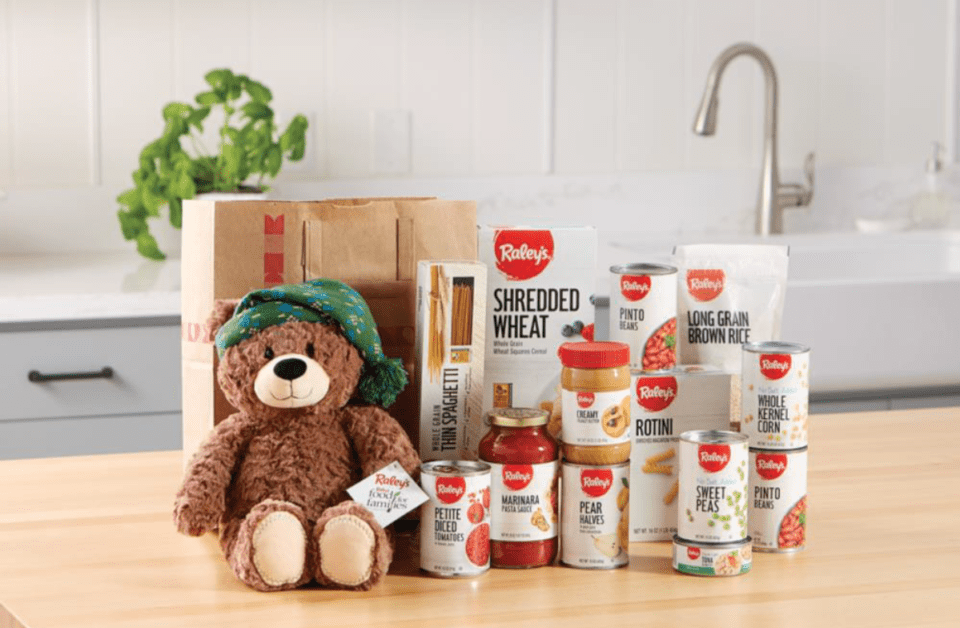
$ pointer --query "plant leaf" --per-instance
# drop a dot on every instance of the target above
(152, 201)
(219, 79)
(298, 151)
(147, 246)
(176, 110)
(131, 225)
(176, 212)
(129, 198)
(257, 111)
(273, 160)
(258, 91)
(197, 116)
(183, 186)
(209, 98)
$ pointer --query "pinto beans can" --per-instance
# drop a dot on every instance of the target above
(643, 313)
(778, 499)
(595, 516)
(712, 559)
(775, 394)
(713, 487)
(455, 521)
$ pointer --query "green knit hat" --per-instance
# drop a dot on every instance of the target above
(321, 301)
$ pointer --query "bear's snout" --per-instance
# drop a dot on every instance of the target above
(290, 368)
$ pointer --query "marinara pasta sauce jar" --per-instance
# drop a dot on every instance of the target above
(595, 400)
(523, 458)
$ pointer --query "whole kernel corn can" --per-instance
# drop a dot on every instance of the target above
(774, 394)
(712, 500)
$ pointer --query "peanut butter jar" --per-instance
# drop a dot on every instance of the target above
(595, 401)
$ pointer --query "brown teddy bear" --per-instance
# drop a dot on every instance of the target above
(273, 476)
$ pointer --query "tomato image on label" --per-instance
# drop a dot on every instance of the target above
(705, 284)
(713, 458)
(660, 351)
(596, 482)
(475, 512)
(775, 366)
(656, 393)
(634, 287)
(450, 490)
(522, 255)
(771, 466)
(485, 497)
(478, 545)
(516, 477)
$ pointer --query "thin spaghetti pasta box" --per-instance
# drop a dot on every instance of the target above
(539, 295)
(451, 297)
(663, 405)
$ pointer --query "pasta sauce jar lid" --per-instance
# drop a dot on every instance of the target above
(594, 355)
(518, 417)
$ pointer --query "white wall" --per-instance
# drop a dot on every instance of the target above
(492, 87)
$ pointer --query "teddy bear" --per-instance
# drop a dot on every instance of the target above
(304, 366)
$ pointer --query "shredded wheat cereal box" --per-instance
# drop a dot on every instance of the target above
(539, 288)
(451, 296)
(665, 404)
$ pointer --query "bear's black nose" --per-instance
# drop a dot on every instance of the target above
(291, 368)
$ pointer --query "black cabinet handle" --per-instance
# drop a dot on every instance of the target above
(36, 376)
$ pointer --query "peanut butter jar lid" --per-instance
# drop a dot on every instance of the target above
(518, 417)
(594, 355)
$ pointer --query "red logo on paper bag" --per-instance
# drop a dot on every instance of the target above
(522, 255)
(517, 476)
(771, 466)
(634, 287)
(450, 490)
(713, 458)
(656, 393)
(596, 482)
(705, 284)
(775, 366)
(693, 553)
(585, 399)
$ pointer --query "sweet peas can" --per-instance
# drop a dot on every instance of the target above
(774, 394)
(713, 486)
(455, 521)
(643, 313)
(778, 499)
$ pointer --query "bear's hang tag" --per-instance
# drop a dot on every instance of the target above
(388, 493)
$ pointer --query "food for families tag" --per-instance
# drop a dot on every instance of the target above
(389, 493)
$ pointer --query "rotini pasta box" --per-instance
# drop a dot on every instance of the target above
(451, 297)
(539, 295)
(663, 405)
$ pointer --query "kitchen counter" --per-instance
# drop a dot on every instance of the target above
(90, 542)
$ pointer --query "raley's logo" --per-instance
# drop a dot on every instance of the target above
(634, 287)
(596, 482)
(656, 393)
(705, 284)
(774, 366)
(450, 490)
(693, 553)
(585, 399)
(713, 458)
(522, 255)
(382, 479)
(517, 476)
(771, 466)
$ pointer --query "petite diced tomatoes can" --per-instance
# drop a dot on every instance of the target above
(778, 499)
(774, 394)
(643, 313)
(455, 520)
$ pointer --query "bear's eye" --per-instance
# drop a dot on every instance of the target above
(268, 353)
(310, 349)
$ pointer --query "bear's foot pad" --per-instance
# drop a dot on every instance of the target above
(347, 547)
(279, 548)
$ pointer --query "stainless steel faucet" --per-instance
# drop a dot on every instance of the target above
(774, 196)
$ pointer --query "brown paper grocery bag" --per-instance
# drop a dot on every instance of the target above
(233, 247)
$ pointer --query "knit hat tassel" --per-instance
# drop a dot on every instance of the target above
(382, 381)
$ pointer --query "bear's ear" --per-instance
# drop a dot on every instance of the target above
(222, 312)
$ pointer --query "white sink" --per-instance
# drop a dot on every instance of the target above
(880, 312)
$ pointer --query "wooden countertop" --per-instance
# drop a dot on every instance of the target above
(90, 542)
